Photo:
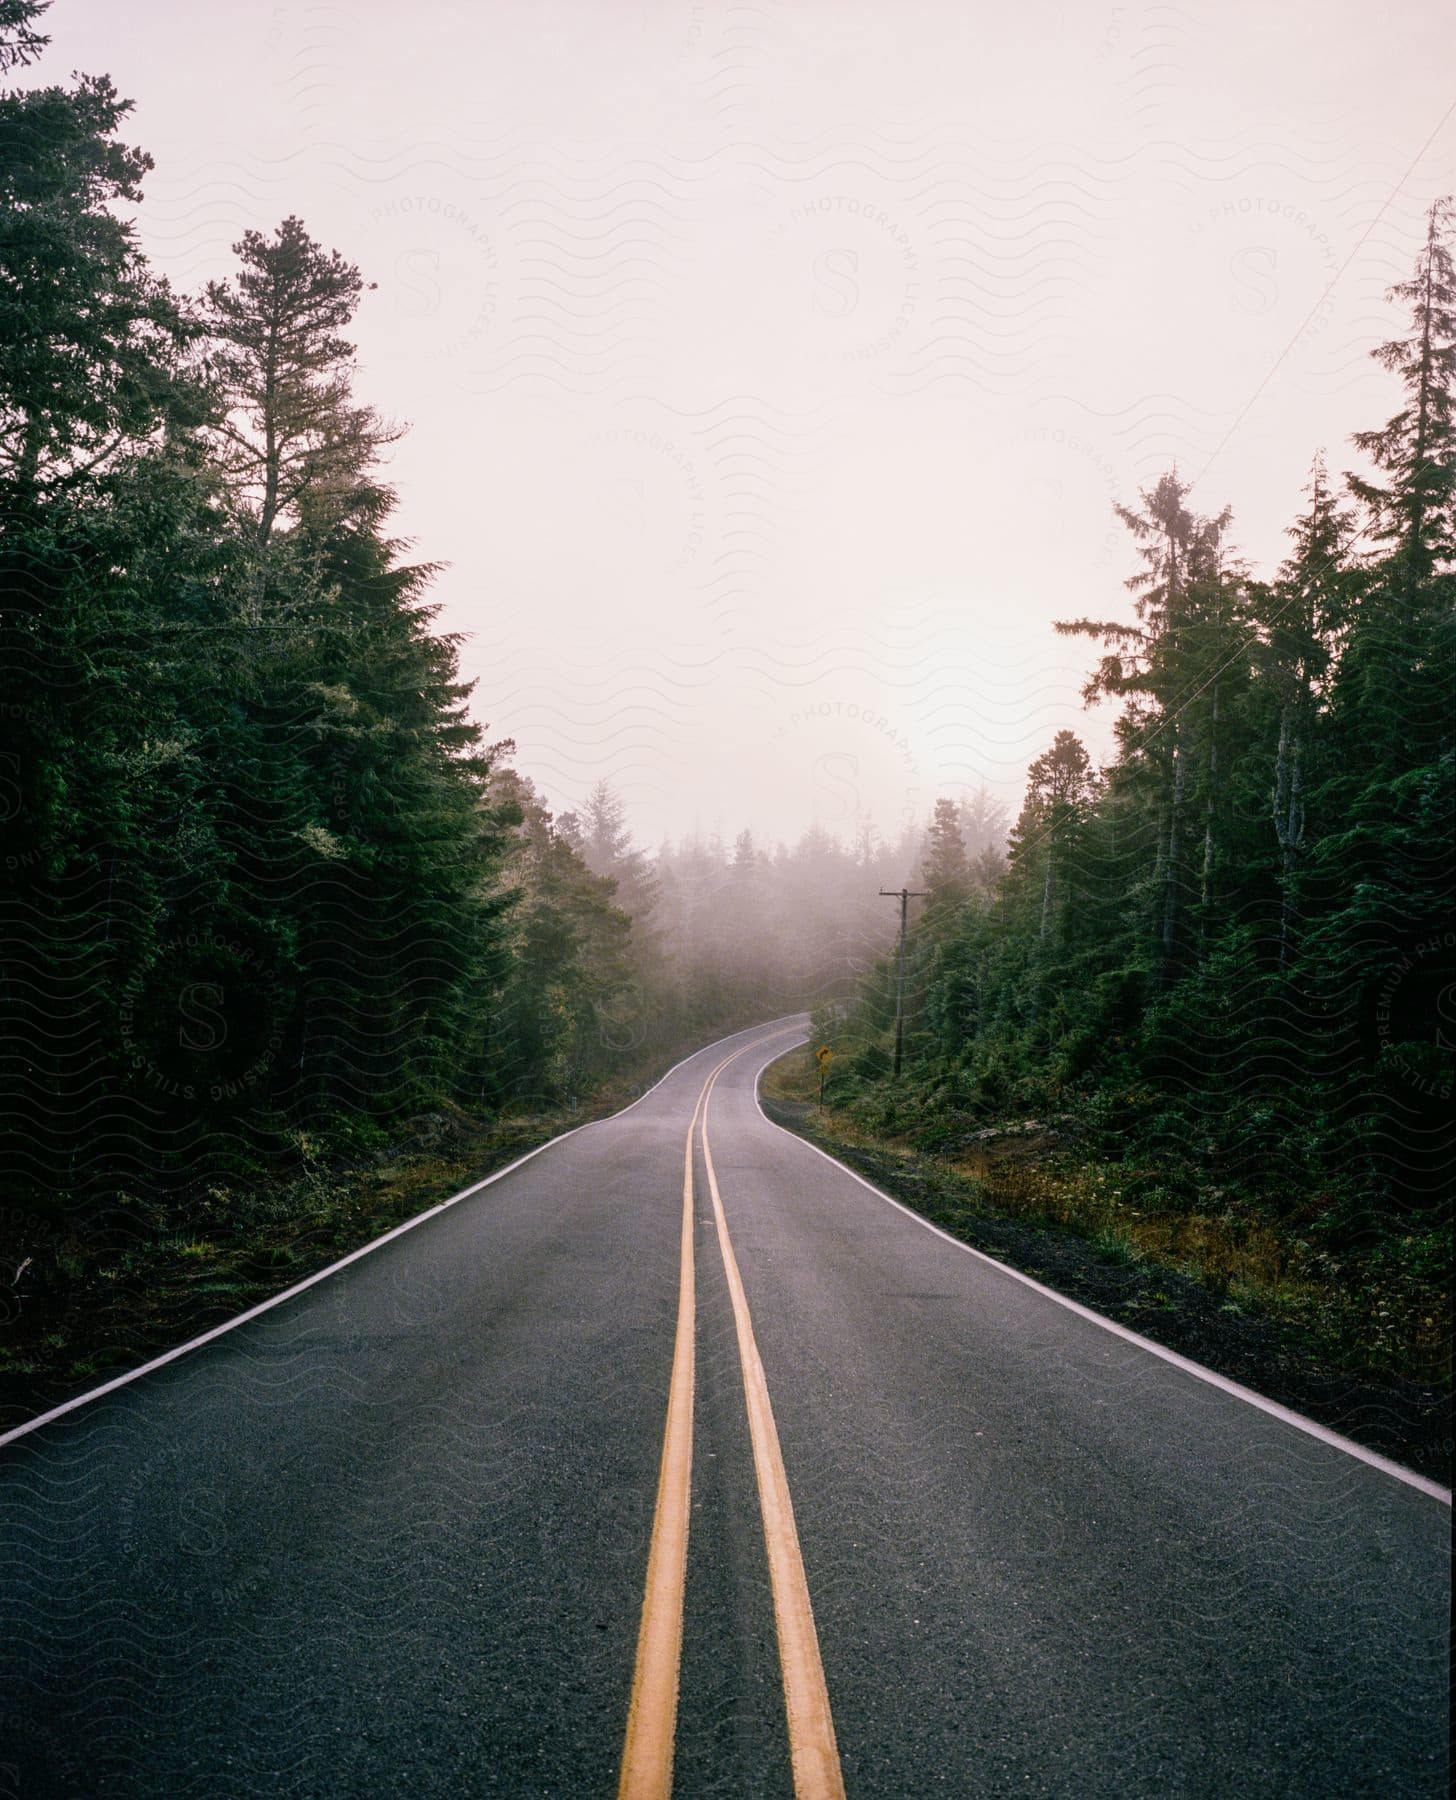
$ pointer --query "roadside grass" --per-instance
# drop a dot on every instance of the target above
(1388, 1314)
(95, 1309)
(82, 1309)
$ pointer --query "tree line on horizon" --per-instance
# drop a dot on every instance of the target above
(732, 934)
(1231, 952)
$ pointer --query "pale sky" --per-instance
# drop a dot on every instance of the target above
(771, 368)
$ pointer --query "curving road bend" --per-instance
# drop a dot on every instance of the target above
(677, 1455)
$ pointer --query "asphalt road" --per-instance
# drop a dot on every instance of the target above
(392, 1535)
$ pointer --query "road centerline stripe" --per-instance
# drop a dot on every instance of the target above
(647, 1752)
(652, 1712)
(813, 1751)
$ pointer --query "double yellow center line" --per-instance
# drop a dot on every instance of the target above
(652, 1714)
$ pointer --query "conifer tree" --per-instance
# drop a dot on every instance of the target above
(92, 344)
(292, 435)
(1173, 666)
(1395, 671)
(944, 868)
(609, 850)
(20, 43)
(1414, 509)
(1059, 788)
(1306, 613)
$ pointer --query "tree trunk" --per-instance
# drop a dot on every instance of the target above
(1172, 861)
(1047, 888)
(27, 471)
(1210, 807)
(1423, 413)
(1288, 826)
(272, 452)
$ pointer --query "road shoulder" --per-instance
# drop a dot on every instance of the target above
(1407, 1421)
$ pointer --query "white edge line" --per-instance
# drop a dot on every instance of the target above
(1310, 1426)
(299, 1287)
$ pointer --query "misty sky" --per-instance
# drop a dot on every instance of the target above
(772, 368)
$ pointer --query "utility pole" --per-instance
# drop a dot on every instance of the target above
(904, 896)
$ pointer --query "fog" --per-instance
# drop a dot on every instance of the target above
(771, 371)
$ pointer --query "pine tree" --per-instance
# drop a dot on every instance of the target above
(607, 845)
(571, 1007)
(1173, 666)
(292, 438)
(93, 346)
(1394, 677)
(985, 825)
(1059, 788)
(19, 43)
(1306, 612)
(944, 868)
(1415, 509)
(97, 518)
(1378, 880)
